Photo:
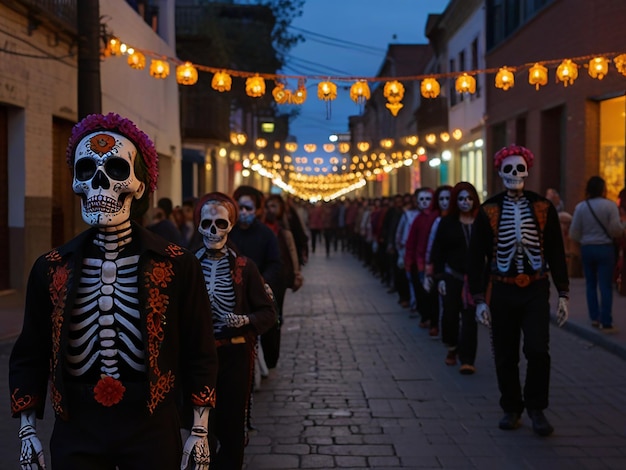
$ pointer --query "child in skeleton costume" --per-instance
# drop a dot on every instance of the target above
(116, 320)
(516, 242)
(449, 258)
(241, 310)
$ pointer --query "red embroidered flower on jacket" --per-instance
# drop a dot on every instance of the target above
(108, 391)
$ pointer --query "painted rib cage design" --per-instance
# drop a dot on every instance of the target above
(104, 328)
(517, 236)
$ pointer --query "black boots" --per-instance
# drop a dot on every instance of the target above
(541, 425)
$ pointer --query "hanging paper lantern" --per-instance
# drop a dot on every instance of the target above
(186, 74)
(444, 136)
(363, 146)
(326, 91)
(291, 146)
(159, 68)
(430, 138)
(329, 148)
(360, 92)
(457, 134)
(394, 108)
(221, 82)
(567, 72)
(344, 147)
(393, 91)
(620, 63)
(430, 88)
(598, 67)
(465, 84)
(299, 96)
(281, 96)
(505, 78)
(114, 47)
(411, 140)
(137, 61)
(310, 148)
(538, 75)
(255, 86)
(261, 143)
(386, 143)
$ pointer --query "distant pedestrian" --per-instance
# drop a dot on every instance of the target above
(162, 223)
(595, 225)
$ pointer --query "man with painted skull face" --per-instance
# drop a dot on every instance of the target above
(116, 320)
(516, 243)
(241, 310)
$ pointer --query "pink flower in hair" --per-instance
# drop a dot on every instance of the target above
(510, 151)
(115, 123)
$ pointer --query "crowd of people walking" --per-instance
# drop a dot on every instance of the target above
(142, 326)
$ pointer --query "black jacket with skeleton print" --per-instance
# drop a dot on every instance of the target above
(177, 332)
(484, 240)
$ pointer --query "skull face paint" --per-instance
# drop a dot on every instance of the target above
(465, 201)
(424, 200)
(104, 178)
(215, 225)
(444, 200)
(513, 172)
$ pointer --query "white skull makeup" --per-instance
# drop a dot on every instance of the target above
(104, 177)
(513, 172)
(424, 200)
(444, 200)
(464, 201)
(215, 225)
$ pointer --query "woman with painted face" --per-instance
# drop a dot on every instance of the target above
(449, 258)
(241, 309)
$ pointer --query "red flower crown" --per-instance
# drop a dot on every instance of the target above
(115, 123)
(510, 151)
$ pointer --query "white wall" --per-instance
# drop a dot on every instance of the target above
(152, 104)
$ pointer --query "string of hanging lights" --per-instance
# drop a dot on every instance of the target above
(355, 166)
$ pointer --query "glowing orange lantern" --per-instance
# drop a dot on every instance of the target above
(505, 78)
(255, 86)
(291, 146)
(344, 147)
(430, 88)
(567, 72)
(393, 91)
(299, 96)
(598, 67)
(137, 61)
(186, 74)
(620, 63)
(310, 148)
(159, 68)
(465, 84)
(221, 82)
(326, 91)
(360, 92)
(281, 96)
(363, 146)
(328, 148)
(538, 75)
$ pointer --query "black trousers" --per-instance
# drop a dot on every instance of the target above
(516, 310)
(123, 436)
(427, 302)
(461, 335)
(227, 422)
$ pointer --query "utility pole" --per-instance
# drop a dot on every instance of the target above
(89, 92)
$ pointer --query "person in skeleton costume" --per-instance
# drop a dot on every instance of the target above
(241, 310)
(516, 242)
(415, 260)
(117, 320)
(449, 256)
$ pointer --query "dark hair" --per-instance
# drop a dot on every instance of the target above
(224, 199)
(165, 203)
(252, 193)
(280, 201)
(454, 206)
(595, 187)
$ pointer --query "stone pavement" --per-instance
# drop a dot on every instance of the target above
(360, 385)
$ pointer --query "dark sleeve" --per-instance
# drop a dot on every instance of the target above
(437, 254)
(198, 358)
(29, 364)
(261, 308)
(554, 251)
(479, 255)
(273, 264)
